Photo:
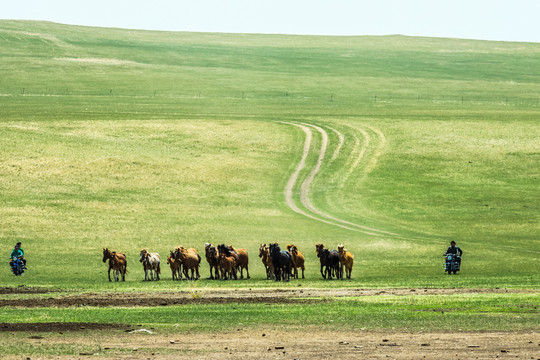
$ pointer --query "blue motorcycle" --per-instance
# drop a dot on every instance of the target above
(18, 266)
(452, 263)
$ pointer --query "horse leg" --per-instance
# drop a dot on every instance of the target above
(247, 272)
(109, 272)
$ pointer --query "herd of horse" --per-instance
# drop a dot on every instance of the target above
(225, 262)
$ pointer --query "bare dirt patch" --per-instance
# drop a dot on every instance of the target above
(21, 289)
(59, 327)
(224, 296)
(285, 344)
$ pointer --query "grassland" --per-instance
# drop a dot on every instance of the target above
(130, 139)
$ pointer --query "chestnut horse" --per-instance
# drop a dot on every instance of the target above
(190, 260)
(297, 260)
(176, 267)
(117, 262)
(264, 254)
(346, 259)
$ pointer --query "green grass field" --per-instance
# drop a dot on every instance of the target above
(138, 139)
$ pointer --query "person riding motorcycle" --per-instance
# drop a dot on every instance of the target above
(17, 252)
(453, 249)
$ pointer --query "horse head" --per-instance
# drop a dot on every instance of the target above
(274, 248)
(176, 252)
(223, 250)
(319, 248)
(144, 255)
(262, 250)
(341, 249)
(106, 254)
(324, 254)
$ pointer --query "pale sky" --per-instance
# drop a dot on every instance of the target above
(509, 20)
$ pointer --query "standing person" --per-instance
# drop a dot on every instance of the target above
(17, 252)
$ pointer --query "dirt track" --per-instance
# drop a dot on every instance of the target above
(277, 344)
(216, 296)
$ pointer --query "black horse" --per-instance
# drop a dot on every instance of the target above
(330, 262)
(281, 260)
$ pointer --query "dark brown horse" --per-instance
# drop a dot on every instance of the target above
(212, 257)
(117, 262)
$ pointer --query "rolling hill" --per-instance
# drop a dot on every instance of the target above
(391, 145)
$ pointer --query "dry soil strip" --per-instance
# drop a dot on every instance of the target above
(235, 296)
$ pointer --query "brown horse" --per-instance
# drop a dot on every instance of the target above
(297, 260)
(264, 254)
(190, 260)
(117, 262)
(346, 259)
(212, 257)
(227, 265)
(176, 267)
(242, 260)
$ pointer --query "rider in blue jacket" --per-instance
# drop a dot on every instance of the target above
(17, 252)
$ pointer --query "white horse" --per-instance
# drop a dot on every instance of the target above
(150, 263)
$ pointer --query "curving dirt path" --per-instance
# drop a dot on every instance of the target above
(306, 187)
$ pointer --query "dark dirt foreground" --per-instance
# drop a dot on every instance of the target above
(215, 296)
